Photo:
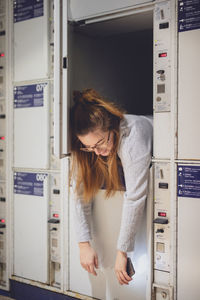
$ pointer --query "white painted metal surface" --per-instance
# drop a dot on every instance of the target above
(162, 212)
(188, 249)
(31, 134)
(82, 9)
(65, 98)
(162, 80)
(31, 48)
(162, 135)
(189, 90)
(57, 76)
(61, 99)
(31, 235)
(8, 153)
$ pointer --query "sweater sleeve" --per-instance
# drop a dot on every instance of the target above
(82, 220)
(135, 158)
(81, 216)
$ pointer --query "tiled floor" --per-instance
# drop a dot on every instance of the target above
(5, 298)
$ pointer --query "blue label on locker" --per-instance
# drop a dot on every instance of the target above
(29, 95)
(189, 181)
(188, 15)
(29, 183)
(27, 9)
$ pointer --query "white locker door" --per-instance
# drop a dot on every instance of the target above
(31, 126)
(188, 100)
(61, 94)
(31, 40)
(188, 271)
(83, 9)
(31, 226)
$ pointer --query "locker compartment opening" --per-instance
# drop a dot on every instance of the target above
(115, 57)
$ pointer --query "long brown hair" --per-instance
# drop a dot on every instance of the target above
(91, 171)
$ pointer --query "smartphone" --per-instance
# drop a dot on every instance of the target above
(129, 267)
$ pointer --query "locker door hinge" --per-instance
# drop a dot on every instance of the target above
(65, 62)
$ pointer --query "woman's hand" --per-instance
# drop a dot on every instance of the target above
(120, 268)
(88, 257)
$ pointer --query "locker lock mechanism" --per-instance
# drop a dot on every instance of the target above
(161, 74)
(160, 221)
(2, 223)
(54, 221)
(160, 230)
(54, 229)
(164, 295)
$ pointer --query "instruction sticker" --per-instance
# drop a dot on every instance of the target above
(188, 15)
(27, 9)
(29, 183)
(189, 181)
(29, 95)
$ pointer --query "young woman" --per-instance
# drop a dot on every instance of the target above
(103, 140)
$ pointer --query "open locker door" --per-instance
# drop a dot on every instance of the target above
(61, 145)
(86, 9)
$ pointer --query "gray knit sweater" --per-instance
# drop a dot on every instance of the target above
(134, 150)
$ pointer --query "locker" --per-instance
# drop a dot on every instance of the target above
(188, 238)
(31, 47)
(31, 130)
(109, 51)
(188, 100)
(31, 226)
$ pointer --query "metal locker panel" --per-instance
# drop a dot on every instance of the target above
(188, 249)
(31, 45)
(188, 95)
(31, 126)
(162, 211)
(82, 9)
(30, 226)
(61, 91)
(106, 225)
(162, 135)
(188, 265)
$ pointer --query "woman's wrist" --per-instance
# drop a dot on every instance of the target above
(122, 253)
(84, 244)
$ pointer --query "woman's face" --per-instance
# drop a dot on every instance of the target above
(98, 141)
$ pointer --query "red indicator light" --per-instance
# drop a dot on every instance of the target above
(3, 221)
(162, 214)
(164, 54)
(56, 215)
(2, 54)
(2, 137)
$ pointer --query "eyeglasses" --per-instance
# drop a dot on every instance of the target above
(98, 145)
